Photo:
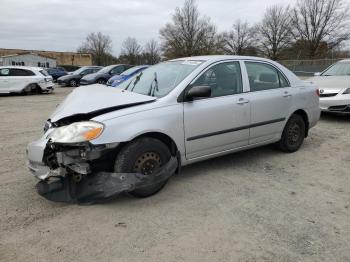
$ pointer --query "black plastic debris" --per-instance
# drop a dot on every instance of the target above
(101, 186)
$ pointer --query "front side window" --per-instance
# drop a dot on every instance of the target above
(264, 77)
(223, 79)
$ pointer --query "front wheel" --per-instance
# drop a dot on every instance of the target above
(293, 134)
(144, 155)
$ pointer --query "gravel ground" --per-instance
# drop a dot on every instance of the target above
(258, 205)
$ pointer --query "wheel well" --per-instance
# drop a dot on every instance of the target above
(168, 141)
(37, 86)
(303, 114)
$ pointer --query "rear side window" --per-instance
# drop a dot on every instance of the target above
(264, 77)
(223, 79)
(4, 72)
(20, 72)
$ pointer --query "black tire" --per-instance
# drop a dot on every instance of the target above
(293, 134)
(37, 90)
(101, 81)
(73, 83)
(128, 161)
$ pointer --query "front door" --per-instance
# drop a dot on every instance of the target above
(271, 101)
(219, 123)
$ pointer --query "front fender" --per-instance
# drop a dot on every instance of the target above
(167, 120)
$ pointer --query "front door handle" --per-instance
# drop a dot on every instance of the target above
(242, 101)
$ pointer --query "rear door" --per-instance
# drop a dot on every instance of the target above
(271, 101)
(20, 78)
(219, 123)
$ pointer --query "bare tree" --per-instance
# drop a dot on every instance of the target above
(99, 45)
(151, 54)
(188, 34)
(275, 31)
(238, 39)
(321, 21)
(131, 51)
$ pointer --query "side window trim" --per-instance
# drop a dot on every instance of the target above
(211, 66)
(278, 71)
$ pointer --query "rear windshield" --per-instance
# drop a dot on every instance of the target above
(44, 73)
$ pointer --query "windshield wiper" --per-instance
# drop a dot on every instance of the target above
(154, 87)
(135, 82)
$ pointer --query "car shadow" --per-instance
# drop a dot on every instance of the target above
(333, 117)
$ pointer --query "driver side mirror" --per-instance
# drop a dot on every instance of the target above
(198, 92)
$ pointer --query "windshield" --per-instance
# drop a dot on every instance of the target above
(131, 70)
(160, 79)
(339, 69)
(106, 69)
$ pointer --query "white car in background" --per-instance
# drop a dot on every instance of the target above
(20, 79)
(334, 85)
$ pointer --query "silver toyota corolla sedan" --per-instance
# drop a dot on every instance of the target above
(334, 85)
(103, 141)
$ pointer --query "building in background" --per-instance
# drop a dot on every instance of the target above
(27, 59)
(61, 58)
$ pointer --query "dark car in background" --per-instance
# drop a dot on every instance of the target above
(114, 81)
(56, 72)
(73, 79)
(102, 76)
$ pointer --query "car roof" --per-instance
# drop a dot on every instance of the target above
(24, 67)
(217, 58)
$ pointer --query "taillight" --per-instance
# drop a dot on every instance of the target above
(318, 92)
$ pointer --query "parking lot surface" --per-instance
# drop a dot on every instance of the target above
(257, 205)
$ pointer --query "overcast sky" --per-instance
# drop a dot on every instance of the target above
(61, 25)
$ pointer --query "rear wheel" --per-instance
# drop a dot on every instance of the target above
(293, 134)
(144, 156)
(101, 81)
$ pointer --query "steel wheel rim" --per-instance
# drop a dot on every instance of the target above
(294, 133)
(147, 162)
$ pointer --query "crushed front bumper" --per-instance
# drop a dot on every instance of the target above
(83, 173)
(101, 186)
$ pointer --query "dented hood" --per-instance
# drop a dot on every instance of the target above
(86, 102)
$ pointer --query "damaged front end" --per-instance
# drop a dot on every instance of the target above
(83, 173)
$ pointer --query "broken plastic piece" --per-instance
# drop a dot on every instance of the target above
(101, 186)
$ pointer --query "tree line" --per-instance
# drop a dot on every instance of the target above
(311, 29)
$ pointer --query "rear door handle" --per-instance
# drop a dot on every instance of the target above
(242, 101)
